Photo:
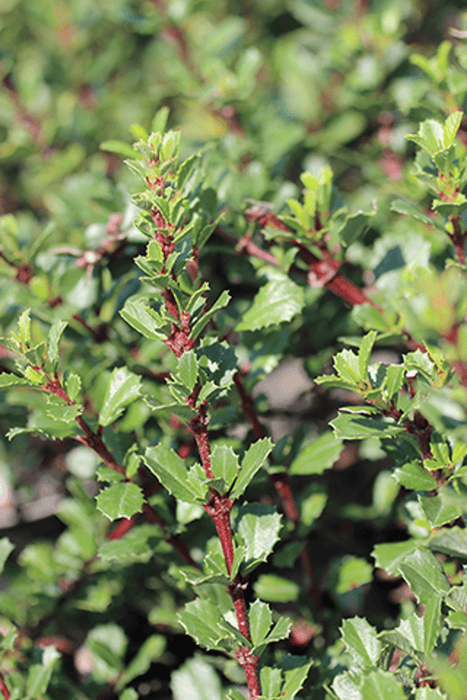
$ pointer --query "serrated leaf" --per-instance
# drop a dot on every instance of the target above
(361, 641)
(441, 509)
(389, 556)
(451, 127)
(346, 688)
(394, 380)
(280, 631)
(123, 387)
(6, 548)
(413, 476)
(431, 624)
(318, 456)
(271, 681)
(258, 525)
(260, 619)
(202, 621)
(72, 385)
(355, 427)
(277, 301)
(364, 353)
(196, 680)
(251, 462)
(219, 304)
(24, 326)
(427, 693)
(452, 541)
(294, 671)
(143, 319)
(120, 501)
(188, 370)
(7, 379)
(408, 209)
(382, 685)
(53, 341)
(173, 474)
(424, 575)
(224, 464)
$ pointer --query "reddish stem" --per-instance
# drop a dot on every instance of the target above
(3, 688)
(458, 240)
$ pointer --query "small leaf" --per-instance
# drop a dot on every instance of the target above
(442, 508)
(277, 301)
(382, 685)
(355, 427)
(123, 387)
(364, 353)
(6, 548)
(188, 370)
(39, 675)
(151, 650)
(413, 476)
(318, 456)
(276, 589)
(353, 573)
(24, 325)
(424, 574)
(203, 621)
(224, 464)
(136, 545)
(258, 525)
(53, 341)
(389, 556)
(294, 670)
(260, 618)
(252, 461)
(143, 319)
(120, 148)
(120, 501)
(196, 680)
(361, 641)
(172, 472)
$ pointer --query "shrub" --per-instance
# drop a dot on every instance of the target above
(307, 549)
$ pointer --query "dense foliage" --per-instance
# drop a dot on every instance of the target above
(234, 366)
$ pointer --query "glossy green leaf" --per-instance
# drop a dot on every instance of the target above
(188, 370)
(120, 148)
(120, 501)
(258, 525)
(389, 556)
(277, 301)
(317, 456)
(260, 620)
(382, 685)
(295, 670)
(123, 387)
(452, 541)
(136, 545)
(353, 572)
(361, 641)
(424, 574)
(252, 461)
(143, 319)
(413, 476)
(202, 621)
(356, 427)
(172, 472)
(224, 464)
(442, 508)
(53, 341)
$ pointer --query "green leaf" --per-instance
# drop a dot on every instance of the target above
(136, 545)
(122, 388)
(413, 476)
(355, 427)
(173, 474)
(364, 353)
(346, 688)
(424, 574)
(196, 680)
(203, 621)
(353, 572)
(452, 541)
(442, 508)
(427, 693)
(120, 148)
(271, 681)
(383, 686)
(389, 556)
(151, 650)
(39, 675)
(188, 370)
(24, 326)
(451, 127)
(6, 548)
(260, 619)
(431, 624)
(277, 301)
(72, 385)
(276, 589)
(415, 212)
(251, 462)
(53, 341)
(258, 526)
(120, 501)
(361, 641)
(219, 304)
(294, 670)
(143, 319)
(7, 379)
(318, 456)
(224, 464)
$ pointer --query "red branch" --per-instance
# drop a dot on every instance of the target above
(3, 688)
